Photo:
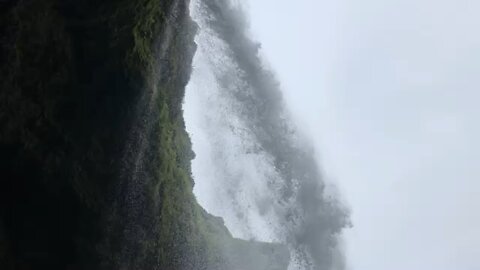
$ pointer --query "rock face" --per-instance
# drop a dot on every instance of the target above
(94, 156)
(247, 255)
(244, 255)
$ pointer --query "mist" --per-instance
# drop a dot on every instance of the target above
(253, 166)
(388, 91)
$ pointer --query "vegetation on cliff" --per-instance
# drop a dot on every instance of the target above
(94, 156)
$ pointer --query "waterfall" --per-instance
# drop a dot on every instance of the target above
(253, 167)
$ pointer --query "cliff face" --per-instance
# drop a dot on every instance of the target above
(75, 75)
(94, 156)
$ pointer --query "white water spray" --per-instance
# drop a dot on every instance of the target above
(252, 167)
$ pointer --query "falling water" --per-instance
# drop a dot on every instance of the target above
(252, 166)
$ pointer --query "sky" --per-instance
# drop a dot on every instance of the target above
(389, 92)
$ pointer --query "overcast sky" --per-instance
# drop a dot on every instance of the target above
(390, 91)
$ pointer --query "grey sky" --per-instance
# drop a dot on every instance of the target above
(389, 90)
